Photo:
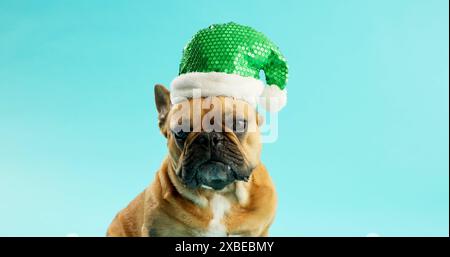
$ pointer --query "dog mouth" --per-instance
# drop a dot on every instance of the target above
(215, 174)
(212, 174)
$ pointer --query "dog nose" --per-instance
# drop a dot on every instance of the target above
(212, 138)
(215, 138)
(203, 138)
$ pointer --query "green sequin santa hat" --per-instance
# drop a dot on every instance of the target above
(227, 60)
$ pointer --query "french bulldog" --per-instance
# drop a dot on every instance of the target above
(212, 182)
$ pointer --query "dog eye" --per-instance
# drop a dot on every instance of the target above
(180, 135)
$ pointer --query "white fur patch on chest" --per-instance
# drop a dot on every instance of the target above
(219, 206)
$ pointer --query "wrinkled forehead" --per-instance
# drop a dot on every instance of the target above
(209, 107)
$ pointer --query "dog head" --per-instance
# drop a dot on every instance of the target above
(212, 141)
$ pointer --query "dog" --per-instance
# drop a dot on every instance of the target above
(210, 184)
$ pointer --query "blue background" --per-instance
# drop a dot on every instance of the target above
(363, 145)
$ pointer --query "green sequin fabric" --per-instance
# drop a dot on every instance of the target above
(235, 49)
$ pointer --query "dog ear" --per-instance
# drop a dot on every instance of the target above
(162, 101)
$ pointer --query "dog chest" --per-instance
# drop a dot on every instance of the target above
(219, 206)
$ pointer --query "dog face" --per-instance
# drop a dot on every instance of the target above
(212, 141)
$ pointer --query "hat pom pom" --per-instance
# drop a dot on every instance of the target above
(273, 99)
